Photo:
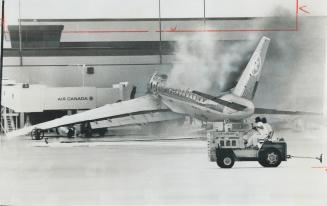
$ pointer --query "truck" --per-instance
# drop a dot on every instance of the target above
(227, 145)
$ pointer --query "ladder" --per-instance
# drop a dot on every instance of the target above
(8, 122)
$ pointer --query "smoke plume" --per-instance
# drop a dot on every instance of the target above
(292, 75)
(205, 64)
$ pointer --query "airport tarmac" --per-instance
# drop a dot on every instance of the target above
(161, 172)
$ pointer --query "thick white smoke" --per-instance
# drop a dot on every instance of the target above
(203, 63)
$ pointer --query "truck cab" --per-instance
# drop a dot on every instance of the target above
(227, 145)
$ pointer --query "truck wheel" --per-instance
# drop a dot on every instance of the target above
(270, 158)
(225, 160)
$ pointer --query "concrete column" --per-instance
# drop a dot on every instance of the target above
(4, 116)
(21, 120)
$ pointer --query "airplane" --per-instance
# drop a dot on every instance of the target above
(164, 103)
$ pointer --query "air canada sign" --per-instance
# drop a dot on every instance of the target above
(63, 98)
(75, 98)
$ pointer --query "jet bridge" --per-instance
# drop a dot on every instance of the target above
(24, 104)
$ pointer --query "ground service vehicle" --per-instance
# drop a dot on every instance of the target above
(226, 145)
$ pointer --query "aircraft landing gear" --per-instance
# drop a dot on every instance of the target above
(86, 129)
(37, 134)
(71, 132)
(101, 131)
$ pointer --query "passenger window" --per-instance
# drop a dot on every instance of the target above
(222, 143)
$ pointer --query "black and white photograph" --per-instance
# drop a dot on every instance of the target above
(163, 102)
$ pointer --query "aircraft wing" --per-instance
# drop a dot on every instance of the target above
(282, 112)
(123, 111)
(298, 120)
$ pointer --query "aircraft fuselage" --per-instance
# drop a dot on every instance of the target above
(194, 104)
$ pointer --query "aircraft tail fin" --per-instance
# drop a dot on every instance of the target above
(247, 84)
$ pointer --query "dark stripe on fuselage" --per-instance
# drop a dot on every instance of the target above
(218, 108)
(231, 105)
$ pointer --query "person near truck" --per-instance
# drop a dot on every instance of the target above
(251, 138)
(268, 131)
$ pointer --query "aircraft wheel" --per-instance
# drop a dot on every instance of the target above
(71, 132)
(102, 132)
(270, 158)
(37, 134)
(225, 159)
(86, 129)
(88, 133)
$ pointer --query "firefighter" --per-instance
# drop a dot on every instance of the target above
(267, 129)
(266, 132)
(258, 125)
(251, 138)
